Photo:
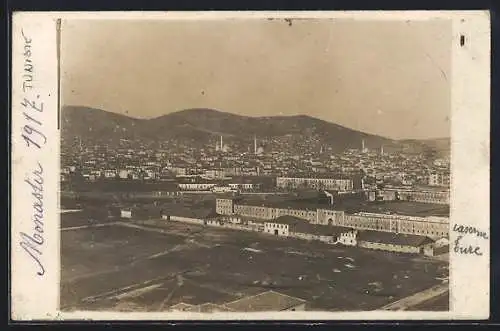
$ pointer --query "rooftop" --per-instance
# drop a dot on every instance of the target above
(181, 306)
(266, 301)
(318, 176)
(250, 179)
(124, 185)
(408, 208)
(320, 230)
(245, 218)
(302, 226)
(432, 189)
(193, 212)
(208, 308)
(393, 238)
(305, 204)
(290, 220)
(351, 206)
(199, 180)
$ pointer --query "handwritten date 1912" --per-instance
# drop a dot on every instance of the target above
(32, 130)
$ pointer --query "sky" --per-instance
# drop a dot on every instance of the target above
(389, 78)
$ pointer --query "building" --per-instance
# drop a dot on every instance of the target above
(314, 183)
(164, 193)
(197, 186)
(110, 173)
(203, 308)
(178, 170)
(386, 195)
(208, 308)
(222, 189)
(363, 147)
(329, 217)
(347, 236)
(213, 222)
(126, 213)
(268, 212)
(325, 233)
(181, 306)
(123, 174)
(215, 173)
(245, 186)
(439, 179)
(188, 215)
(281, 225)
(436, 227)
(431, 226)
(441, 197)
(267, 301)
(224, 206)
(290, 226)
(305, 230)
(395, 242)
(425, 196)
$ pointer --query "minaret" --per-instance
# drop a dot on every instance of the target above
(221, 145)
(255, 144)
(382, 150)
(362, 145)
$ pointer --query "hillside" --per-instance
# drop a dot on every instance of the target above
(204, 124)
(90, 123)
(437, 147)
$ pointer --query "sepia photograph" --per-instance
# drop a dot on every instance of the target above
(255, 165)
(311, 166)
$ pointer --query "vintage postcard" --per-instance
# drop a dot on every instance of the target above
(250, 165)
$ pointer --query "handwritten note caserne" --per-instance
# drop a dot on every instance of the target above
(460, 245)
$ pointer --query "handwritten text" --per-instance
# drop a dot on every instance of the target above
(33, 242)
(460, 247)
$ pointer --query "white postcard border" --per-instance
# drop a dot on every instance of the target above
(35, 297)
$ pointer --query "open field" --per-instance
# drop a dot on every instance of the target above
(441, 302)
(122, 267)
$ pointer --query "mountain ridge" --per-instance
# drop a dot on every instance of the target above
(204, 123)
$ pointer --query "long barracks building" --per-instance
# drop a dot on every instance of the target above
(430, 226)
(338, 184)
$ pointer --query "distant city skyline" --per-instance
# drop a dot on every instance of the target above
(384, 78)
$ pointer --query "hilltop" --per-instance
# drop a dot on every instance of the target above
(203, 124)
